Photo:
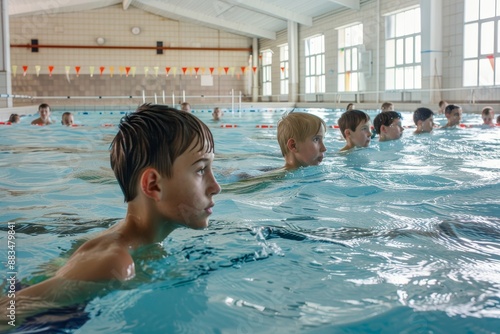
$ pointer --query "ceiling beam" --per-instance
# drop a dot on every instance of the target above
(264, 7)
(126, 4)
(179, 13)
(50, 7)
(353, 4)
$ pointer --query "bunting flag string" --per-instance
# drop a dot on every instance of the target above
(127, 70)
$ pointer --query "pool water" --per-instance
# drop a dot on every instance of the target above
(402, 236)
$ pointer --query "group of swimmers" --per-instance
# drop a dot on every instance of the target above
(162, 159)
(44, 111)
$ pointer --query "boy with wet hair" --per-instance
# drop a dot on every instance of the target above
(387, 106)
(162, 159)
(453, 113)
(488, 115)
(67, 119)
(354, 126)
(300, 136)
(388, 125)
(44, 112)
(424, 120)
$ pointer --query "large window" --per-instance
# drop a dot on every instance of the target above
(481, 43)
(315, 64)
(267, 61)
(284, 69)
(402, 50)
(350, 40)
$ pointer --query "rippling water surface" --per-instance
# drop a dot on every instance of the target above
(402, 236)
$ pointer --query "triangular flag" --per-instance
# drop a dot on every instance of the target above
(25, 69)
(231, 70)
(220, 69)
(133, 69)
(101, 69)
(196, 69)
(202, 69)
(111, 70)
(211, 70)
(37, 69)
(77, 69)
(184, 69)
(243, 68)
(127, 70)
(282, 69)
(254, 69)
(121, 69)
(226, 69)
(174, 70)
(146, 70)
(156, 68)
(14, 69)
(492, 61)
(167, 69)
(51, 68)
(91, 70)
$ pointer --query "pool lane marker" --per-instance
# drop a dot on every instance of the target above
(228, 125)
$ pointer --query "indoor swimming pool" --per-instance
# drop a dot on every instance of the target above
(399, 237)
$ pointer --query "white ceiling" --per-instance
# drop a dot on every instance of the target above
(252, 18)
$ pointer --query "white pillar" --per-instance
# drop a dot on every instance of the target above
(5, 80)
(293, 62)
(255, 61)
(431, 13)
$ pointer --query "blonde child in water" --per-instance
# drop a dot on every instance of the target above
(300, 136)
(162, 159)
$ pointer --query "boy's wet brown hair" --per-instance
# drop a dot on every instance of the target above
(351, 119)
(421, 114)
(385, 118)
(154, 136)
(297, 125)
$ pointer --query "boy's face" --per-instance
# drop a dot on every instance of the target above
(394, 131)
(488, 119)
(362, 136)
(187, 198)
(428, 124)
(454, 117)
(310, 152)
(68, 120)
(44, 113)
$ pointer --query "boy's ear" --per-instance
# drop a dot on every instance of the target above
(291, 144)
(383, 128)
(347, 133)
(149, 183)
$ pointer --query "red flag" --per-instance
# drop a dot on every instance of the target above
(25, 69)
(211, 70)
(184, 69)
(127, 69)
(77, 69)
(101, 69)
(226, 69)
(51, 68)
(167, 69)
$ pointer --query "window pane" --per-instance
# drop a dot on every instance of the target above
(354, 82)
(471, 10)
(390, 26)
(487, 9)
(321, 88)
(308, 66)
(340, 82)
(409, 50)
(418, 77)
(390, 53)
(319, 64)
(470, 40)
(409, 78)
(418, 50)
(400, 24)
(341, 38)
(399, 52)
(313, 66)
(416, 21)
(498, 7)
(358, 34)
(389, 79)
(348, 58)
(341, 62)
(487, 38)
(486, 67)
(400, 76)
(470, 72)
(354, 63)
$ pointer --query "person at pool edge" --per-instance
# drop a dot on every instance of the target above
(354, 126)
(162, 159)
(388, 125)
(300, 136)
(44, 112)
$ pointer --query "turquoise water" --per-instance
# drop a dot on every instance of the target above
(402, 236)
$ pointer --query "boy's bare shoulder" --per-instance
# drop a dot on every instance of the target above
(102, 258)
